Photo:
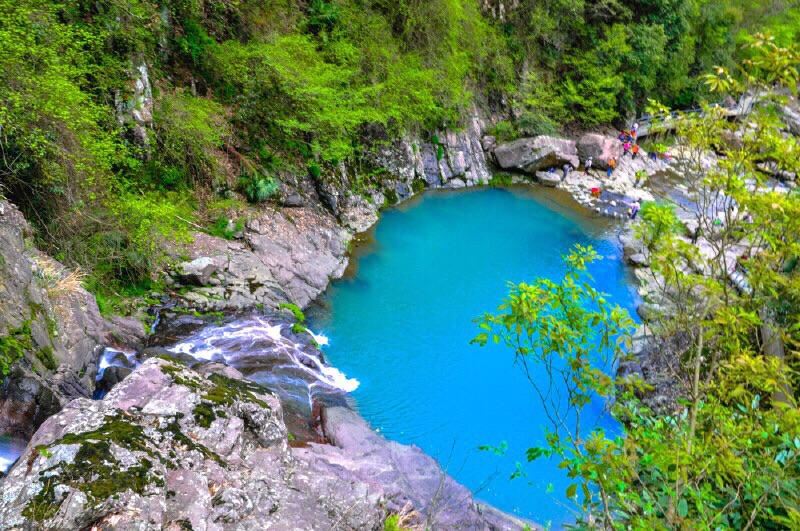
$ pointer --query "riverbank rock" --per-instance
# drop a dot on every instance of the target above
(169, 448)
(548, 178)
(290, 254)
(532, 154)
(50, 328)
(600, 148)
(285, 256)
(790, 116)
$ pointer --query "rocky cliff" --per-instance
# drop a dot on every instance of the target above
(291, 252)
(51, 332)
(170, 448)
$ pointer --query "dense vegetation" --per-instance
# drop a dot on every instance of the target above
(245, 92)
(726, 453)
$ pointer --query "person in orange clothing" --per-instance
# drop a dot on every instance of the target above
(635, 150)
(612, 162)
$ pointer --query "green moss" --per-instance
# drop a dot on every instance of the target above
(204, 415)
(297, 328)
(45, 355)
(298, 313)
(501, 179)
(418, 185)
(391, 197)
(95, 471)
(220, 229)
(14, 345)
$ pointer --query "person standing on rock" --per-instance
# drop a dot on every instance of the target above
(634, 209)
(634, 129)
(641, 175)
(567, 168)
(626, 148)
(696, 234)
(635, 150)
(611, 163)
(588, 164)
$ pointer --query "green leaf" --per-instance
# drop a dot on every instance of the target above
(572, 490)
(683, 508)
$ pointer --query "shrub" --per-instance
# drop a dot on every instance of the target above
(220, 228)
(296, 311)
(258, 188)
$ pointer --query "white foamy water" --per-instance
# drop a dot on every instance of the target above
(321, 339)
(107, 359)
(340, 380)
(256, 336)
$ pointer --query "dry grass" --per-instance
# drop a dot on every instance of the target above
(409, 519)
(58, 286)
(68, 285)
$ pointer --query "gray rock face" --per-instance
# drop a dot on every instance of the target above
(600, 148)
(790, 116)
(136, 111)
(169, 448)
(285, 257)
(532, 154)
(548, 178)
(56, 328)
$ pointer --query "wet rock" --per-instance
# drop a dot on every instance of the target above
(160, 352)
(638, 260)
(532, 154)
(111, 377)
(488, 143)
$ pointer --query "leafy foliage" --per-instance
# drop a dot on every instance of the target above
(726, 455)
(253, 88)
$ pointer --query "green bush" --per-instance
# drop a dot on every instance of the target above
(296, 311)
(13, 345)
(258, 188)
(220, 228)
(189, 130)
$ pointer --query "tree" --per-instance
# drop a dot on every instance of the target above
(570, 331)
(726, 454)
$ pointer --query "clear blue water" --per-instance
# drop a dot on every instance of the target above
(401, 324)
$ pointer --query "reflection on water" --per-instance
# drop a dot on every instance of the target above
(10, 450)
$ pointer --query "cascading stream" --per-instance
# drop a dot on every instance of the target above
(265, 350)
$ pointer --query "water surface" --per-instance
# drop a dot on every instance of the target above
(400, 323)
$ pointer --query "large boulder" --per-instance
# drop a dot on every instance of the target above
(169, 448)
(600, 148)
(548, 178)
(197, 272)
(532, 154)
